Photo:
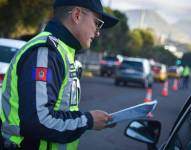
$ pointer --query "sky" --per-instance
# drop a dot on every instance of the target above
(170, 10)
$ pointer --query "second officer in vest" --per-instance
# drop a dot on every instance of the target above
(41, 90)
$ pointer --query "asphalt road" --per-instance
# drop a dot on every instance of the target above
(101, 93)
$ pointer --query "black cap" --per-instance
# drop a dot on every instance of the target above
(93, 5)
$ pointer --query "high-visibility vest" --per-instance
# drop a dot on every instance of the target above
(10, 100)
(186, 71)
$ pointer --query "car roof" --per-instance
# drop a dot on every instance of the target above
(11, 43)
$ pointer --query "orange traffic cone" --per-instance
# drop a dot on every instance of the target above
(148, 97)
(175, 85)
(165, 89)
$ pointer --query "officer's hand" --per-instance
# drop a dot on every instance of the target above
(100, 119)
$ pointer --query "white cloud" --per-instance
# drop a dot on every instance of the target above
(170, 9)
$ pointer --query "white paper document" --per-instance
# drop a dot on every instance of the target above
(134, 112)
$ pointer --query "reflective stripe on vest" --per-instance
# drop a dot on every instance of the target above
(68, 97)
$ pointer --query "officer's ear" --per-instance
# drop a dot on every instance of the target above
(76, 14)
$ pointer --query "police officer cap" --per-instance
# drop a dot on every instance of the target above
(93, 5)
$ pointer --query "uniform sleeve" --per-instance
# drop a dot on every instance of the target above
(40, 76)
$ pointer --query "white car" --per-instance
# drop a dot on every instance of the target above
(134, 70)
(8, 48)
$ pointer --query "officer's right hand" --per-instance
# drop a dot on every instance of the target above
(100, 119)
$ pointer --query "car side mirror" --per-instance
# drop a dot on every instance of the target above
(147, 131)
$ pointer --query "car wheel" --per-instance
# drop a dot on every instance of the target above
(116, 82)
(146, 84)
(102, 74)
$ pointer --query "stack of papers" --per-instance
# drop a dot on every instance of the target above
(134, 112)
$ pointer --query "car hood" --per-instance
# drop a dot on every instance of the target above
(3, 67)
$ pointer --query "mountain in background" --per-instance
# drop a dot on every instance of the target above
(184, 25)
(146, 18)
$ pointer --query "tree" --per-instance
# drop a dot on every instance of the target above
(147, 37)
(113, 40)
(186, 59)
(139, 39)
(19, 17)
(159, 54)
(134, 44)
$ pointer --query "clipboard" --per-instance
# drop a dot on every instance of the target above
(134, 112)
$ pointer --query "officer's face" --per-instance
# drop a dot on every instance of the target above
(88, 27)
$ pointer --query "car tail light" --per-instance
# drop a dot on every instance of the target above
(1, 77)
(103, 62)
(117, 63)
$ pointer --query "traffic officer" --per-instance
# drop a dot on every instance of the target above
(41, 91)
(185, 76)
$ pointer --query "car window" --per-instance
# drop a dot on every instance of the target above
(132, 65)
(7, 53)
(182, 138)
(156, 69)
(172, 70)
(109, 58)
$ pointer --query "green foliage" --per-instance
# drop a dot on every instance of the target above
(159, 54)
(113, 40)
(15, 14)
(134, 44)
(186, 59)
(3, 2)
(139, 39)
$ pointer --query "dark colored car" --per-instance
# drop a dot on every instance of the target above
(148, 131)
(134, 70)
(108, 65)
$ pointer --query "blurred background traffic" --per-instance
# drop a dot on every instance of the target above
(145, 57)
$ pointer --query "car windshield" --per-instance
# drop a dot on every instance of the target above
(7, 53)
(132, 65)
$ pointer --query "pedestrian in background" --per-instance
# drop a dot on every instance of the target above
(41, 90)
(185, 77)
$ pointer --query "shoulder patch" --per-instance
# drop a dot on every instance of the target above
(41, 74)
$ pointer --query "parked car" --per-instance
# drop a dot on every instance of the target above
(174, 72)
(159, 72)
(134, 70)
(108, 65)
(148, 131)
(8, 47)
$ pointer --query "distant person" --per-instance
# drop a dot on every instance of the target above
(41, 90)
(185, 77)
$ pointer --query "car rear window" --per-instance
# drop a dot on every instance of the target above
(132, 65)
(172, 70)
(110, 58)
(156, 69)
(7, 53)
